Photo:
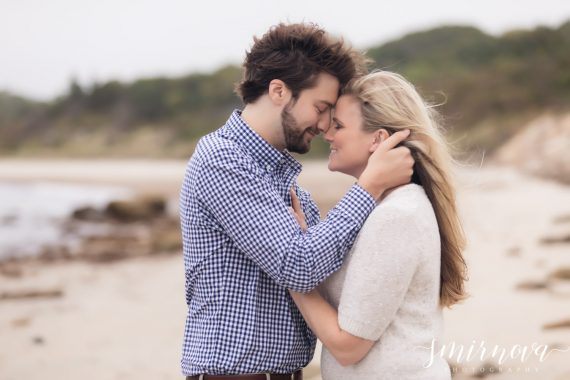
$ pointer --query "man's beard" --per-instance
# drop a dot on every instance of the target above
(294, 137)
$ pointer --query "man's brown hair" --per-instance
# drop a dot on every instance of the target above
(296, 54)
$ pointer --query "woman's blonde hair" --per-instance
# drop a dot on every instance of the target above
(390, 102)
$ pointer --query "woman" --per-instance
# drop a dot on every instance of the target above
(382, 311)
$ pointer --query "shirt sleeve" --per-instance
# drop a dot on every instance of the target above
(259, 222)
(379, 274)
(310, 209)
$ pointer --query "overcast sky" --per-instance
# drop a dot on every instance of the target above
(43, 44)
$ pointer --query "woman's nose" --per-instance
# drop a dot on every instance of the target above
(324, 123)
(329, 135)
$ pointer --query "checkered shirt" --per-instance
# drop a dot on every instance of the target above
(243, 249)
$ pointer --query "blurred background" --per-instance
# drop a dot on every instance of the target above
(102, 103)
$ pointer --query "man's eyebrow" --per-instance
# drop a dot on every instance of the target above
(330, 105)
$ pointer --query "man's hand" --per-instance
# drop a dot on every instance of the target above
(296, 210)
(388, 166)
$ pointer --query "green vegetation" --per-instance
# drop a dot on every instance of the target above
(487, 88)
(491, 85)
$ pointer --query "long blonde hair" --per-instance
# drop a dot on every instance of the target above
(390, 102)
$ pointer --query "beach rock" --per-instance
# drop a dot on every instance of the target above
(55, 253)
(11, 268)
(166, 236)
(542, 148)
(88, 214)
(144, 208)
(104, 249)
(38, 340)
(123, 229)
(160, 235)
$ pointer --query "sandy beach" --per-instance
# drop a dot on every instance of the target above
(124, 320)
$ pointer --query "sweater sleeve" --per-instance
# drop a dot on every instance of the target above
(380, 271)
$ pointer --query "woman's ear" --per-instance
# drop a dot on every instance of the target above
(378, 137)
(279, 92)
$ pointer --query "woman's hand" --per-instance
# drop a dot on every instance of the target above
(389, 166)
(296, 210)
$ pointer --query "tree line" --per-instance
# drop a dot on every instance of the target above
(485, 87)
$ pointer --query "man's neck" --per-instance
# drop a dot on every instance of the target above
(263, 123)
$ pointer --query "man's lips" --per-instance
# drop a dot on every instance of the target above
(310, 135)
(313, 131)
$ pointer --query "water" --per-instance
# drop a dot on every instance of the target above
(31, 214)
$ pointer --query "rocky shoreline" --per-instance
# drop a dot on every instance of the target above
(122, 229)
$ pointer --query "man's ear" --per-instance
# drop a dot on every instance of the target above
(377, 138)
(279, 93)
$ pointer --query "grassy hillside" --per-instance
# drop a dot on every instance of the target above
(487, 87)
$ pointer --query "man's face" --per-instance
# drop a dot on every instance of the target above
(310, 114)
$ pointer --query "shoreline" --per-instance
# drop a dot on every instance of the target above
(110, 318)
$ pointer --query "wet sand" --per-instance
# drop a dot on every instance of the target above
(125, 320)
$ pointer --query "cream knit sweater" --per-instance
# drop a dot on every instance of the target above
(388, 291)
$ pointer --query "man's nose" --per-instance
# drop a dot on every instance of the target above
(324, 123)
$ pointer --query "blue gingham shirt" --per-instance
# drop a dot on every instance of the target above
(243, 249)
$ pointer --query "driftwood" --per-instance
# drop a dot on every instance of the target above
(565, 323)
(33, 293)
(560, 274)
(532, 285)
(565, 239)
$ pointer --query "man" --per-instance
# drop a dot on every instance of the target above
(242, 247)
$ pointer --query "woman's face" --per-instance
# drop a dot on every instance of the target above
(350, 144)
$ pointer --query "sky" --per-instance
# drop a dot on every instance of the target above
(45, 44)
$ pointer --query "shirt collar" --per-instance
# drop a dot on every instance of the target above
(261, 150)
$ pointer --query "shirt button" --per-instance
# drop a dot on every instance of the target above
(268, 167)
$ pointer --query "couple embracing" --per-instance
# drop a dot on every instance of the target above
(266, 277)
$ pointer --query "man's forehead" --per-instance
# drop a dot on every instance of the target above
(327, 103)
(324, 97)
(326, 89)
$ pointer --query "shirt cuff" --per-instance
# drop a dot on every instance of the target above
(357, 204)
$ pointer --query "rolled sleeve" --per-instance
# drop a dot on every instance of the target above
(259, 222)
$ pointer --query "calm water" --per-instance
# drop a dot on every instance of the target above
(31, 214)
